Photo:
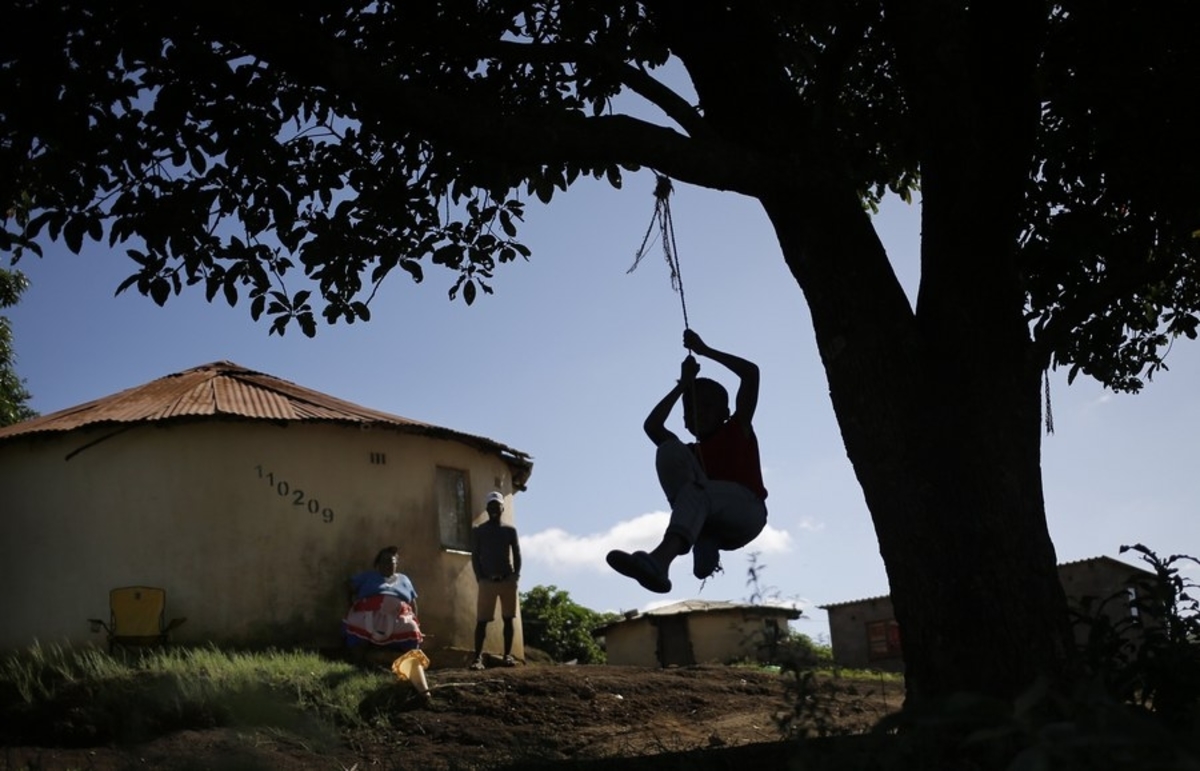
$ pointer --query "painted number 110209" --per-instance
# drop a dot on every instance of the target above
(295, 494)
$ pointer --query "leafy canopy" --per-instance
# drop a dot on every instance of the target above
(298, 159)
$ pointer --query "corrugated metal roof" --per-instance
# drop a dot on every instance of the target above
(1108, 559)
(702, 606)
(1085, 560)
(855, 602)
(223, 389)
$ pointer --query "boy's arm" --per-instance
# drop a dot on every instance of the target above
(656, 422)
(746, 401)
(516, 554)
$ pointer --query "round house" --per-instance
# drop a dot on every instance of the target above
(249, 500)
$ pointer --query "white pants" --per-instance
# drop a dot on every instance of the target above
(728, 513)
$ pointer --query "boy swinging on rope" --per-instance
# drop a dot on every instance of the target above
(714, 485)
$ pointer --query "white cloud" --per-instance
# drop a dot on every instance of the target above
(560, 550)
(811, 525)
(771, 541)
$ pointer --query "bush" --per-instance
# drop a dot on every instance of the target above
(1150, 656)
(555, 624)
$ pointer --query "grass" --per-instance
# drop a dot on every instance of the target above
(77, 697)
(54, 695)
(65, 697)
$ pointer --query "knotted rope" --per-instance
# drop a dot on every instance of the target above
(666, 234)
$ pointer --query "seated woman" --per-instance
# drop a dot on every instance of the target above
(384, 609)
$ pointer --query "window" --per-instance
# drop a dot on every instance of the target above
(883, 639)
(454, 508)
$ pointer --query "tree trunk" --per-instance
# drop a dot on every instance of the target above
(941, 421)
(938, 408)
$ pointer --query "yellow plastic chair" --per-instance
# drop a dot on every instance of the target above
(136, 616)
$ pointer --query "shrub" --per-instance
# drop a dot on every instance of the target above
(1149, 656)
(554, 623)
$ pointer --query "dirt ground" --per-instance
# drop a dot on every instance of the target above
(508, 718)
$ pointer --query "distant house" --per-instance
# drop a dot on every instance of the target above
(248, 498)
(864, 633)
(696, 632)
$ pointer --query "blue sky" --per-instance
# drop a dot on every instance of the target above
(569, 354)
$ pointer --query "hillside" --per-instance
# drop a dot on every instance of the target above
(559, 716)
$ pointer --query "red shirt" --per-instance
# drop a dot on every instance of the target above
(731, 454)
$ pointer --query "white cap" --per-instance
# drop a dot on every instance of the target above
(494, 496)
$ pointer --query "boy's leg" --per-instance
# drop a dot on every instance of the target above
(682, 479)
(706, 556)
(735, 518)
(677, 467)
(508, 641)
(508, 612)
(485, 610)
(480, 634)
(690, 509)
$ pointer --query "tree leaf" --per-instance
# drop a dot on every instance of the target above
(506, 224)
(199, 162)
(414, 269)
(73, 233)
(160, 290)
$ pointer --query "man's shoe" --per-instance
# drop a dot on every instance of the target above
(706, 558)
(509, 661)
(641, 567)
(477, 663)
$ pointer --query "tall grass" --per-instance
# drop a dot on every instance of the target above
(61, 695)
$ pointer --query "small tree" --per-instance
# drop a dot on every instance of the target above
(559, 626)
(13, 395)
(1150, 655)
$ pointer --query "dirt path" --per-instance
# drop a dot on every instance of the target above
(506, 717)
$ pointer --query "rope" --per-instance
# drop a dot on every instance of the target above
(1049, 415)
(666, 234)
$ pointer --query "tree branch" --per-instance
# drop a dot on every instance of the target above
(637, 80)
(464, 124)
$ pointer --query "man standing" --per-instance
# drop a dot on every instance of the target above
(496, 559)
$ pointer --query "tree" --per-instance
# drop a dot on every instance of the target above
(242, 150)
(13, 395)
(554, 623)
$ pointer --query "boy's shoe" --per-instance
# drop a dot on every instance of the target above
(477, 663)
(641, 567)
(509, 661)
(706, 558)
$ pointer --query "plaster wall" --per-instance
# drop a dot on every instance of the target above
(633, 643)
(723, 637)
(715, 636)
(251, 527)
(848, 633)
